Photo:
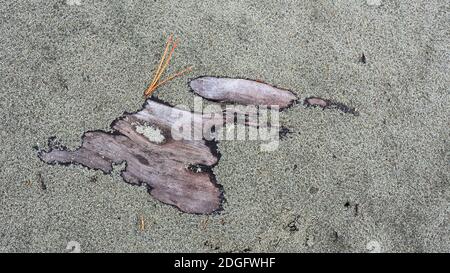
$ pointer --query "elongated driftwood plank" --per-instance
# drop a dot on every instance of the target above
(241, 91)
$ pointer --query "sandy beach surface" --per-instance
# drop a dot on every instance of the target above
(338, 183)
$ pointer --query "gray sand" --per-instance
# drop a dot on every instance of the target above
(376, 182)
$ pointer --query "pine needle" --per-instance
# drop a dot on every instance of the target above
(170, 47)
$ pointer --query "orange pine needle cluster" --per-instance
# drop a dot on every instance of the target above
(163, 64)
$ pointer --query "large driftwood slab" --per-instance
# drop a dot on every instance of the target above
(242, 91)
(165, 167)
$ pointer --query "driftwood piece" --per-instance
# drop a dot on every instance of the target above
(241, 91)
(161, 162)
(168, 150)
(325, 104)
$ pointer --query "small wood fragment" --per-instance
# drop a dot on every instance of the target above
(141, 223)
(325, 104)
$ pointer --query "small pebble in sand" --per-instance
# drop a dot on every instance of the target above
(374, 2)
